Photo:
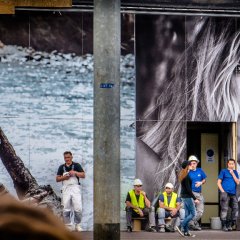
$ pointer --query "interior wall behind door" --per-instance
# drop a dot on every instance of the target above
(210, 165)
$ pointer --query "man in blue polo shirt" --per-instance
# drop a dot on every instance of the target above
(198, 178)
(228, 180)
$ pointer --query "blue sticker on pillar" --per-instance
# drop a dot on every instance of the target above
(106, 85)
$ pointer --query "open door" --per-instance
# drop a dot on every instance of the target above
(210, 164)
(213, 143)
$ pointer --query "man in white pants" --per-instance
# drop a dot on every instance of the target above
(69, 174)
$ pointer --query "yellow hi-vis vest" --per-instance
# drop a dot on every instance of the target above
(140, 203)
(173, 202)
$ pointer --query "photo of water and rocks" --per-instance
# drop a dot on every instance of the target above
(46, 85)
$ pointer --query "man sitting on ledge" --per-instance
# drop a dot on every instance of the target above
(169, 207)
(138, 205)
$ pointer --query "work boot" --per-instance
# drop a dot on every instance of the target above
(152, 229)
(224, 226)
(195, 228)
(230, 225)
(162, 229)
(169, 228)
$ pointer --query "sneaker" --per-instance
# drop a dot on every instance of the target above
(225, 229)
(229, 227)
(179, 231)
(129, 229)
(195, 228)
(188, 234)
(162, 229)
(169, 228)
(78, 228)
(151, 229)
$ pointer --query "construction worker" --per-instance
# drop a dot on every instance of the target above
(228, 180)
(169, 207)
(138, 205)
(69, 174)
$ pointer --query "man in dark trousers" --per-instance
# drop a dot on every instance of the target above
(228, 180)
(138, 205)
(69, 174)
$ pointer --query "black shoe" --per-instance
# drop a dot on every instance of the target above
(195, 228)
(224, 228)
(151, 229)
(229, 225)
(169, 228)
(129, 229)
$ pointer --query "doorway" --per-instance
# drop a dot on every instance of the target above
(213, 143)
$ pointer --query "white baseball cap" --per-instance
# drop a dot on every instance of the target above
(169, 185)
(193, 158)
(137, 182)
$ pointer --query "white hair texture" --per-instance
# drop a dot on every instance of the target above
(203, 87)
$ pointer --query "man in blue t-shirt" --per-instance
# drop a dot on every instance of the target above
(228, 180)
(198, 178)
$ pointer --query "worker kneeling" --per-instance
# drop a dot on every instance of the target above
(169, 207)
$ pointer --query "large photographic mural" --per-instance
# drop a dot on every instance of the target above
(187, 70)
(46, 85)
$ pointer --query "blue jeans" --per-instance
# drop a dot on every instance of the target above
(190, 212)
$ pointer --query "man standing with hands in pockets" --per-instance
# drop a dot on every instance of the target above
(228, 180)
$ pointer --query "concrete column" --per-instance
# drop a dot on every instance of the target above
(107, 119)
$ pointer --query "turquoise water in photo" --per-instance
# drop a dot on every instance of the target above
(46, 108)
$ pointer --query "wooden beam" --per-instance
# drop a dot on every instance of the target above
(8, 6)
(7, 9)
(43, 3)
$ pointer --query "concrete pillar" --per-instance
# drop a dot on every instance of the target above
(107, 119)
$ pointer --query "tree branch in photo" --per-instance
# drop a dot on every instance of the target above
(26, 186)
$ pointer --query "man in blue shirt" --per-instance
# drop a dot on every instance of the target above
(198, 178)
(228, 180)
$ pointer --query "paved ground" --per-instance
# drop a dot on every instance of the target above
(205, 234)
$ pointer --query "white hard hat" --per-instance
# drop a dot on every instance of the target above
(169, 185)
(137, 182)
(193, 158)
